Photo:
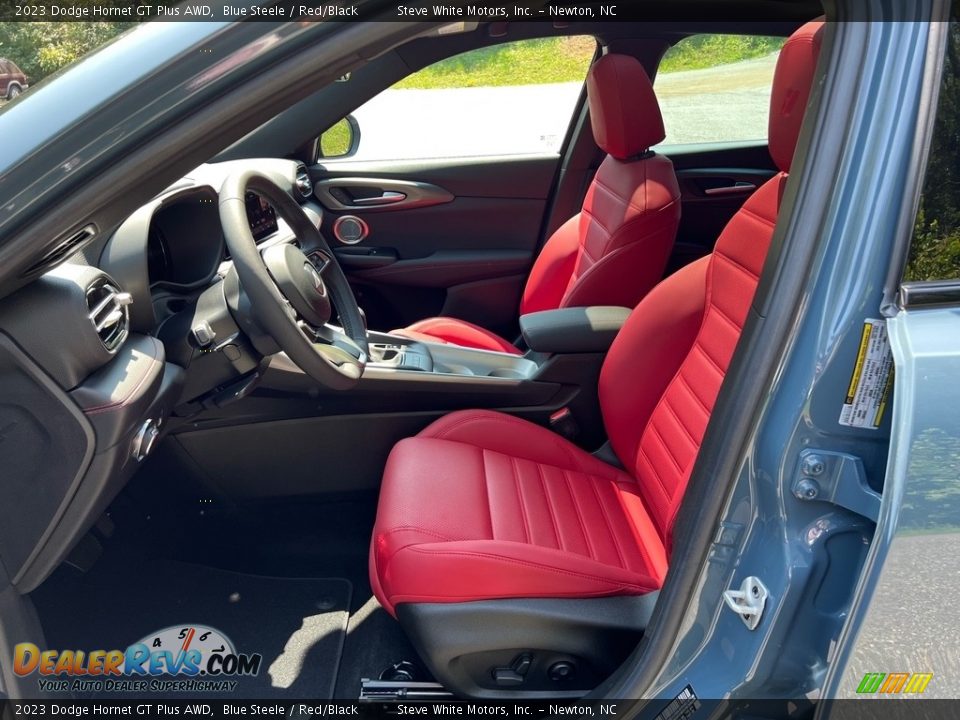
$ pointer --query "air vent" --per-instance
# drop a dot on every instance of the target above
(109, 313)
(304, 183)
(63, 250)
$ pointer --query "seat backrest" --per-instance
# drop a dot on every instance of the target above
(662, 375)
(616, 248)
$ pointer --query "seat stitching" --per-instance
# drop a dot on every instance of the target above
(527, 563)
(503, 421)
(641, 546)
(606, 520)
(758, 217)
(597, 221)
(388, 559)
(669, 407)
(623, 200)
(486, 490)
(586, 251)
(576, 506)
(515, 474)
(656, 473)
(404, 528)
(453, 426)
(553, 517)
(713, 363)
(694, 395)
(739, 266)
(656, 432)
(724, 316)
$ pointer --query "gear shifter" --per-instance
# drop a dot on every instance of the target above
(401, 357)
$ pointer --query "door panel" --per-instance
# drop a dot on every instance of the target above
(459, 243)
(715, 181)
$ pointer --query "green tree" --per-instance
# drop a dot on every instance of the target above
(935, 249)
(42, 48)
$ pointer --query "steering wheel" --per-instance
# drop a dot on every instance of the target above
(291, 296)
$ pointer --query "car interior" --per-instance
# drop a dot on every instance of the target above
(408, 428)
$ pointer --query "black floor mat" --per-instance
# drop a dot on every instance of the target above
(297, 625)
(374, 642)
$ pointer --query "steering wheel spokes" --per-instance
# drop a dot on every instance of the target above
(299, 282)
(293, 295)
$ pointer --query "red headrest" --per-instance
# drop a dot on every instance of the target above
(623, 109)
(792, 82)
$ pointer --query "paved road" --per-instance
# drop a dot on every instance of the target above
(716, 104)
(914, 626)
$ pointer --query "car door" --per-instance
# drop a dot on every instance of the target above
(436, 189)
(919, 527)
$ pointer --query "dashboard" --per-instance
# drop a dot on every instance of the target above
(149, 317)
(185, 242)
(170, 250)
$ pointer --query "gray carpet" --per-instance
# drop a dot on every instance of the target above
(297, 625)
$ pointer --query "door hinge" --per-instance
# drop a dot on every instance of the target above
(748, 602)
(837, 478)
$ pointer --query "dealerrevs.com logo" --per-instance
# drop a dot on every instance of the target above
(185, 658)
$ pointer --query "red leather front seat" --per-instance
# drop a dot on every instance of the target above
(616, 248)
(482, 505)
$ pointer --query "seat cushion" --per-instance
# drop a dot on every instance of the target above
(456, 332)
(482, 505)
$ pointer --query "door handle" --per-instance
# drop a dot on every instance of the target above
(367, 194)
(387, 198)
(740, 188)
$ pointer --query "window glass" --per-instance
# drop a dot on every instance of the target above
(514, 98)
(716, 88)
(935, 249)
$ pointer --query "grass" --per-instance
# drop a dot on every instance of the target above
(704, 51)
(335, 141)
(557, 60)
(530, 62)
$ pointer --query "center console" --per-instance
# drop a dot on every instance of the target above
(559, 370)
(307, 438)
(393, 353)
(569, 331)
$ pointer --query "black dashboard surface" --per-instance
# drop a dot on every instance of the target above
(84, 378)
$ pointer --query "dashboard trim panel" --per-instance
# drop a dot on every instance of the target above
(43, 380)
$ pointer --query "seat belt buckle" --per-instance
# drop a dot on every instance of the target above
(564, 424)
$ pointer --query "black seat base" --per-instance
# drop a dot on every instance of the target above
(526, 648)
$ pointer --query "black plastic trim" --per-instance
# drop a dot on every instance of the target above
(10, 347)
(462, 642)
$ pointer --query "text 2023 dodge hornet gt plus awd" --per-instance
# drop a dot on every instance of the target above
(506, 359)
